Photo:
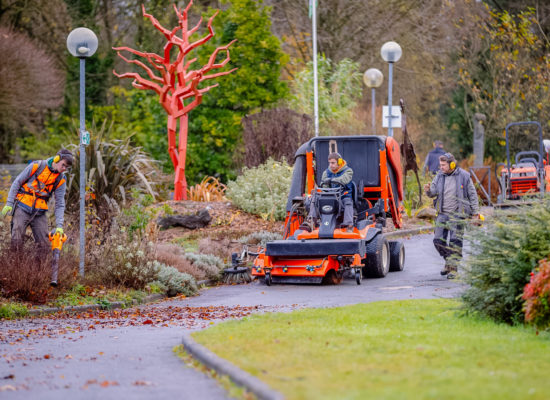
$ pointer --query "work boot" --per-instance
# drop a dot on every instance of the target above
(453, 272)
(349, 229)
(446, 269)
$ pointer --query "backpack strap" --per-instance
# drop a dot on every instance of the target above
(37, 169)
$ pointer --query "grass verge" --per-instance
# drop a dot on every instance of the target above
(233, 391)
(416, 349)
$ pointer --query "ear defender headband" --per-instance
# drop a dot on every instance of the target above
(63, 154)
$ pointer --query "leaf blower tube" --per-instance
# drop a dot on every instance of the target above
(57, 241)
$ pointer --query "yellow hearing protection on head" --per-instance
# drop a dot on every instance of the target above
(56, 158)
(340, 162)
(452, 165)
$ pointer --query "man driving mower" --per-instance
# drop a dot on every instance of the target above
(338, 174)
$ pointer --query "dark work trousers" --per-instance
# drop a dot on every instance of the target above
(348, 212)
(39, 225)
(449, 232)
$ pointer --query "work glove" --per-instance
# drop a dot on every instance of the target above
(326, 183)
(6, 210)
(59, 230)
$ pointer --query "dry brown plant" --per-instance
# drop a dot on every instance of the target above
(173, 255)
(209, 189)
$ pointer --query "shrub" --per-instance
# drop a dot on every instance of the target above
(263, 190)
(275, 133)
(26, 275)
(260, 238)
(174, 282)
(113, 168)
(210, 264)
(172, 255)
(537, 297)
(502, 255)
(12, 310)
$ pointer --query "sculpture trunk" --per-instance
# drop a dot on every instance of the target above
(178, 157)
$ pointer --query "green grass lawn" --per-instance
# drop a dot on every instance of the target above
(416, 349)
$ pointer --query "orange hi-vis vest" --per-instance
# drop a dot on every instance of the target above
(38, 189)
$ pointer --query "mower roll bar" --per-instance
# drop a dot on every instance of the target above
(541, 145)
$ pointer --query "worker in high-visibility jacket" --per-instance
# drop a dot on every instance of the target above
(28, 199)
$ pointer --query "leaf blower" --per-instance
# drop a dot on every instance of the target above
(57, 239)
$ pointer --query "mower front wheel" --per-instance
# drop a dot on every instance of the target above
(377, 263)
(358, 275)
(268, 280)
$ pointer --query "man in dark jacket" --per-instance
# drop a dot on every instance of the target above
(456, 200)
(432, 159)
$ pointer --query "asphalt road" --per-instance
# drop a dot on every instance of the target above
(130, 355)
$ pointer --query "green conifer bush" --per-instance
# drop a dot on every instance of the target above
(503, 253)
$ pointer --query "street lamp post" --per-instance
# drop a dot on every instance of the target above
(373, 78)
(391, 53)
(82, 43)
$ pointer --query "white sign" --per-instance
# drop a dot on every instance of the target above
(396, 117)
(85, 138)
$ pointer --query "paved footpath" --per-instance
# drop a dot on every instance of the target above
(129, 353)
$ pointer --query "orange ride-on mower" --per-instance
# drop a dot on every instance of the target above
(530, 174)
(329, 251)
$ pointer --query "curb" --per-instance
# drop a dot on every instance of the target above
(414, 231)
(91, 307)
(224, 367)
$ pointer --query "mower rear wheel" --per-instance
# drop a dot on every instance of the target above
(397, 256)
(377, 263)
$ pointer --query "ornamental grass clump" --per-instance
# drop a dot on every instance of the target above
(503, 253)
(537, 297)
(263, 190)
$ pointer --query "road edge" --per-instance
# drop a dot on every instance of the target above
(224, 367)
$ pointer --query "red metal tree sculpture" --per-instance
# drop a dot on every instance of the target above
(176, 85)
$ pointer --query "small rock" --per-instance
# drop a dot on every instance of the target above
(426, 213)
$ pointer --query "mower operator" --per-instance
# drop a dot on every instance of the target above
(28, 199)
(431, 163)
(455, 201)
(337, 175)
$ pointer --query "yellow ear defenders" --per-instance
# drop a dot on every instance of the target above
(340, 160)
(56, 158)
(452, 162)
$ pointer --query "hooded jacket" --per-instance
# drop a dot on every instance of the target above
(465, 196)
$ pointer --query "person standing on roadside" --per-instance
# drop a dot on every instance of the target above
(28, 199)
(431, 163)
(456, 200)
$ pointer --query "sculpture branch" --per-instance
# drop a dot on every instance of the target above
(203, 40)
(142, 65)
(139, 80)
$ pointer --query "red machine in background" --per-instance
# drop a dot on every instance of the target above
(530, 174)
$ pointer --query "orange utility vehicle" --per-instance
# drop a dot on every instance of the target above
(328, 251)
(530, 174)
